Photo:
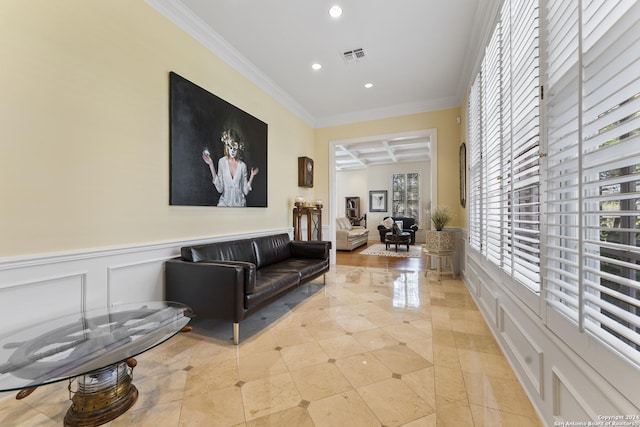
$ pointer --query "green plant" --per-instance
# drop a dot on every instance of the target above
(440, 217)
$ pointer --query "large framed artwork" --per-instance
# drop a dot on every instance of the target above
(218, 152)
(378, 201)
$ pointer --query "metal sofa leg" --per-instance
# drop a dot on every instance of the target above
(236, 333)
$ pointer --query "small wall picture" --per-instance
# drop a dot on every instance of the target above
(378, 201)
(218, 152)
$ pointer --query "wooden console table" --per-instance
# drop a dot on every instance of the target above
(314, 222)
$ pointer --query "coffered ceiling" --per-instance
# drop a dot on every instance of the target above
(418, 55)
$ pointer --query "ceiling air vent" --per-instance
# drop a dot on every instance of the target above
(352, 56)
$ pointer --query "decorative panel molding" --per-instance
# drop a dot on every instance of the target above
(568, 404)
(38, 299)
(488, 300)
(529, 355)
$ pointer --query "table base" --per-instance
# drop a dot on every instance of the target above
(104, 401)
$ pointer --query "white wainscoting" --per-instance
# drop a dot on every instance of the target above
(560, 384)
(37, 288)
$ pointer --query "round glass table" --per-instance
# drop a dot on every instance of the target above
(96, 349)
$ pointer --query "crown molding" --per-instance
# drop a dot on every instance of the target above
(387, 112)
(180, 15)
(176, 12)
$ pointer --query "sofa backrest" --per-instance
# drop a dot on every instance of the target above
(406, 221)
(343, 223)
(272, 249)
(235, 250)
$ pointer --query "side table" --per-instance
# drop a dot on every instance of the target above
(445, 257)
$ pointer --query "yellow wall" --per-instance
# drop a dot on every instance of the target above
(449, 138)
(84, 131)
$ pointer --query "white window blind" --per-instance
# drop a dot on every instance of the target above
(593, 178)
(508, 217)
(523, 170)
(492, 137)
(475, 165)
(506, 124)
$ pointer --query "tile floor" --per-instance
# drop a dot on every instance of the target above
(373, 347)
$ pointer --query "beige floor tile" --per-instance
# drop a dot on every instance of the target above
(394, 402)
(165, 414)
(455, 414)
(294, 417)
(475, 342)
(302, 355)
(260, 365)
(222, 407)
(342, 410)
(487, 417)
(355, 324)
(490, 364)
(497, 393)
(406, 332)
(160, 389)
(424, 348)
(423, 382)
(363, 369)
(267, 396)
(446, 357)
(374, 339)
(203, 378)
(18, 413)
(374, 347)
(319, 381)
(323, 330)
(341, 346)
(450, 385)
(291, 336)
(443, 337)
(428, 421)
(400, 359)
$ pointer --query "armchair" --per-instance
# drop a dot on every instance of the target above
(408, 225)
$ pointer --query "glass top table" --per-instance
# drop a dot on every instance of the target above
(96, 347)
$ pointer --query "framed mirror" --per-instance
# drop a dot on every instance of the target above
(463, 175)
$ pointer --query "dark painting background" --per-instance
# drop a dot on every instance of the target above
(197, 119)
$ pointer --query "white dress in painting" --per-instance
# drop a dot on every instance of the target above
(232, 189)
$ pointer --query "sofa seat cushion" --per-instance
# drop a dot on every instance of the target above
(271, 280)
(357, 232)
(306, 267)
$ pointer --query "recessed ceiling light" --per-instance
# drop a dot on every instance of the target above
(368, 85)
(316, 66)
(335, 11)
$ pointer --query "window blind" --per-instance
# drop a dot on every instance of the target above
(523, 172)
(475, 165)
(492, 137)
(593, 130)
(508, 215)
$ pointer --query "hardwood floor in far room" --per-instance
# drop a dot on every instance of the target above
(354, 258)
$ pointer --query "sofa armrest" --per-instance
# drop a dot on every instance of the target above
(413, 227)
(214, 289)
(314, 249)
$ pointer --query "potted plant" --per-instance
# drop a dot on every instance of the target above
(440, 240)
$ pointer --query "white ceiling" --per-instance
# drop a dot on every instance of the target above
(419, 55)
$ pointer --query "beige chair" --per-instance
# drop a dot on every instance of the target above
(349, 237)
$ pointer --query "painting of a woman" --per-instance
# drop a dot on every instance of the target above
(231, 178)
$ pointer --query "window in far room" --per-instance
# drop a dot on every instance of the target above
(406, 195)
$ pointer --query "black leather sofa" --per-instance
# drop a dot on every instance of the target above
(408, 225)
(233, 279)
